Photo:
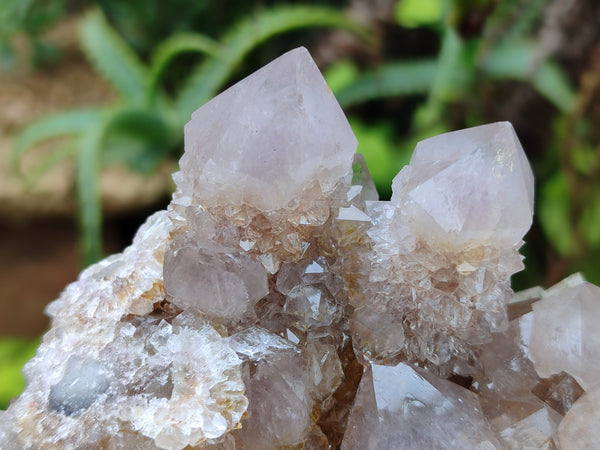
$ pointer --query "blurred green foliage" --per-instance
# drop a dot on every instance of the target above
(14, 353)
(163, 69)
(30, 19)
(146, 124)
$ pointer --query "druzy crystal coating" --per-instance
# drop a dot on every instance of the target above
(277, 303)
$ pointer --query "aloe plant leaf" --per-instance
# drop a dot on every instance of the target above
(88, 190)
(589, 222)
(114, 58)
(138, 138)
(48, 162)
(418, 13)
(204, 83)
(448, 67)
(552, 83)
(514, 60)
(174, 46)
(14, 353)
(340, 74)
(391, 80)
(68, 123)
(554, 214)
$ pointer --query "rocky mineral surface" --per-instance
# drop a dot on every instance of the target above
(278, 304)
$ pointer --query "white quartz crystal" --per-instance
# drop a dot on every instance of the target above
(103, 367)
(444, 248)
(535, 431)
(456, 188)
(268, 138)
(219, 282)
(403, 407)
(565, 335)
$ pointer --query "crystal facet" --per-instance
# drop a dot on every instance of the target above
(565, 335)
(265, 140)
(468, 186)
(403, 407)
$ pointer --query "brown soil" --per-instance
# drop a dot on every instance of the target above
(37, 261)
(39, 258)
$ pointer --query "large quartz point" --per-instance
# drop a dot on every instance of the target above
(508, 388)
(442, 251)
(403, 407)
(468, 186)
(565, 335)
(219, 282)
(266, 140)
(277, 388)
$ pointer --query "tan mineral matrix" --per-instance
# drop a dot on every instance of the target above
(278, 304)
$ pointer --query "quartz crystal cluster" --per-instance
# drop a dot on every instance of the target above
(277, 303)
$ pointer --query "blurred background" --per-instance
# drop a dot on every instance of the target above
(94, 96)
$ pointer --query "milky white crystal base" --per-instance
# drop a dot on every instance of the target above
(104, 368)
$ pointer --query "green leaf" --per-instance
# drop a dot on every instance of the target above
(113, 58)
(174, 46)
(553, 211)
(340, 75)
(88, 190)
(12, 16)
(448, 64)
(514, 60)
(417, 13)
(139, 139)
(585, 158)
(391, 80)
(590, 222)
(447, 69)
(73, 122)
(14, 353)
(552, 83)
(48, 162)
(211, 75)
(511, 20)
(383, 156)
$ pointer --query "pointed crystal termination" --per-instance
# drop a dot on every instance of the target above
(403, 407)
(266, 139)
(468, 186)
(444, 248)
(565, 335)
